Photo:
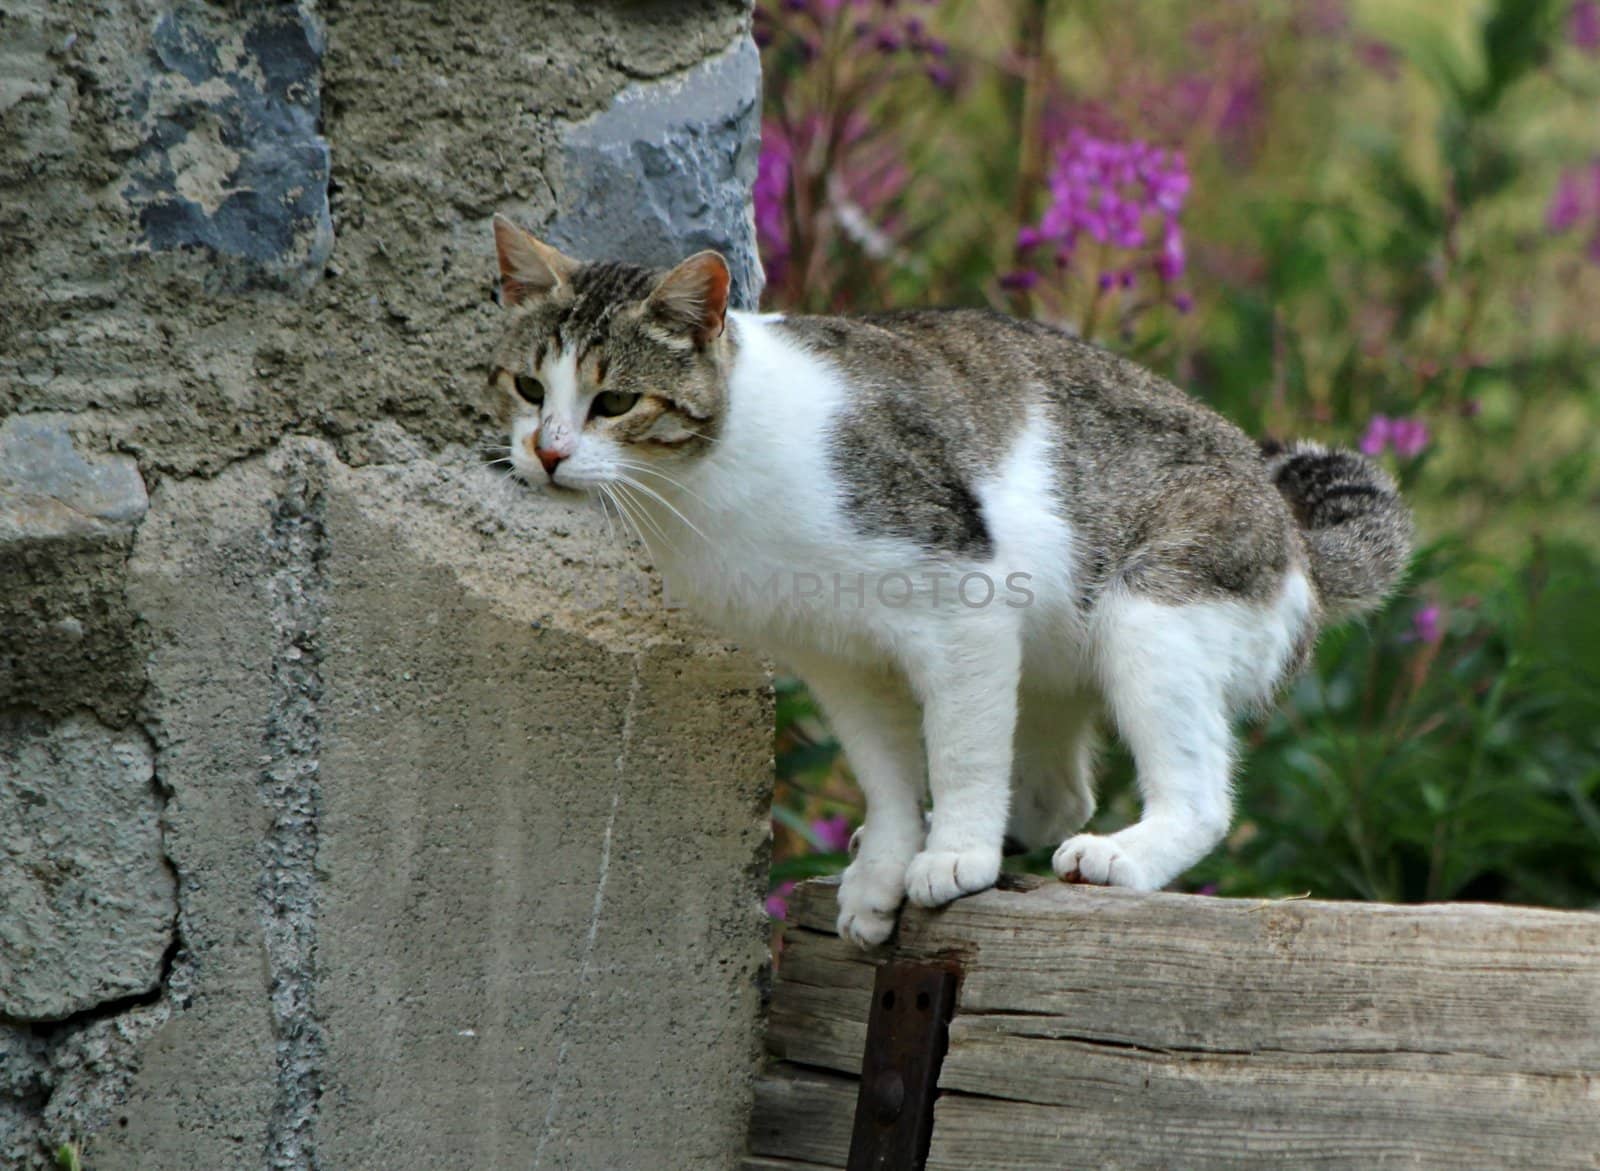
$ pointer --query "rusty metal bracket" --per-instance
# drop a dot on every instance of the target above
(908, 1030)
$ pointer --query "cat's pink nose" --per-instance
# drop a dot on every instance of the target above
(549, 459)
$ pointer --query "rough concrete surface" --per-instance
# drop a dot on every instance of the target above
(66, 521)
(348, 820)
(89, 899)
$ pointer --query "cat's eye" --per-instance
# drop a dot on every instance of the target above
(608, 404)
(530, 389)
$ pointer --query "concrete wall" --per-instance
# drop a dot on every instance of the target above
(346, 819)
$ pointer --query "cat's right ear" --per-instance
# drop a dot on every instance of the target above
(529, 267)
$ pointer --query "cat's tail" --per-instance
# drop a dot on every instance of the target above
(1356, 526)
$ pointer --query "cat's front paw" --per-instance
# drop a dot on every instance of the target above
(870, 893)
(1099, 861)
(936, 877)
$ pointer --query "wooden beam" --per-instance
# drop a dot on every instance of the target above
(1106, 1028)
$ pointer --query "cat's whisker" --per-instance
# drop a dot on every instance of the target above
(642, 515)
(629, 529)
(673, 508)
(631, 466)
(606, 504)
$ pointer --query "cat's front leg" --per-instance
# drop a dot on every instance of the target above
(967, 676)
(879, 727)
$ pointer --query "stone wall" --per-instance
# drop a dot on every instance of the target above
(345, 821)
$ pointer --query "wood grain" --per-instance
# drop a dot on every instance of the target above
(1102, 1028)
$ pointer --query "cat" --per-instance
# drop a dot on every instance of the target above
(973, 537)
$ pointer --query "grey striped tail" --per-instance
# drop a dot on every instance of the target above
(1357, 528)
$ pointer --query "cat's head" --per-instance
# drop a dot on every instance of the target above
(607, 371)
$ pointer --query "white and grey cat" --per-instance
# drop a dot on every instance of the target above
(975, 538)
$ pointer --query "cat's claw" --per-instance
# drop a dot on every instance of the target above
(1098, 861)
(936, 877)
(870, 894)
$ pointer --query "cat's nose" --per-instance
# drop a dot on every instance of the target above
(549, 459)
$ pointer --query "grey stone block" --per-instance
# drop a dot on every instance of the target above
(522, 918)
(49, 490)
(440, 903)
(233, 160)
(667, 169)
(89, 899)
(67, 637)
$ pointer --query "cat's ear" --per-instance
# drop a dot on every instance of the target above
(529, 267)
(693, 298)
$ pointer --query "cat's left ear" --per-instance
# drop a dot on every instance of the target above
(529, 267)
(693, 298)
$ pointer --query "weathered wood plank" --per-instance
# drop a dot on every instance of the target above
(987, 1134)
(1518, 987)
(803, 1115)
(1115, 1030)
(818, 1015)
(1090, 1104)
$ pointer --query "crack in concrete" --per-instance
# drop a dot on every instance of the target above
(585, 965)
(289, 787)
(79, 1066)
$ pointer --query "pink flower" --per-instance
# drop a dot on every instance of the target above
(771, 196)
(1567, 203)
(1575, 201)
(1583, 25)
(1383, 59)
(1408, 437)
(1377, 435)
(778, 901)
(1427, 623)
(1125, 194)
(832, 833)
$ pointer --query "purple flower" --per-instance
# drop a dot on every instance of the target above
(1380, 57)
(777, 903)
(1171, 263)
(1566, 203)
(832, 833)
(1125, 194)
(1408, 437)
(771, 196)
(1583, 25)
(1019, 280)
(1427, 623)
(1376, 438)
(1576, 201)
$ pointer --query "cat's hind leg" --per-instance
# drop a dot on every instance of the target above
(879, 726)
(1052, 785)
(1173, 674)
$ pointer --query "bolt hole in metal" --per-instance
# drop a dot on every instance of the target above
(907, 1031)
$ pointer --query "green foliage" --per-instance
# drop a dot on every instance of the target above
(1367, 236)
